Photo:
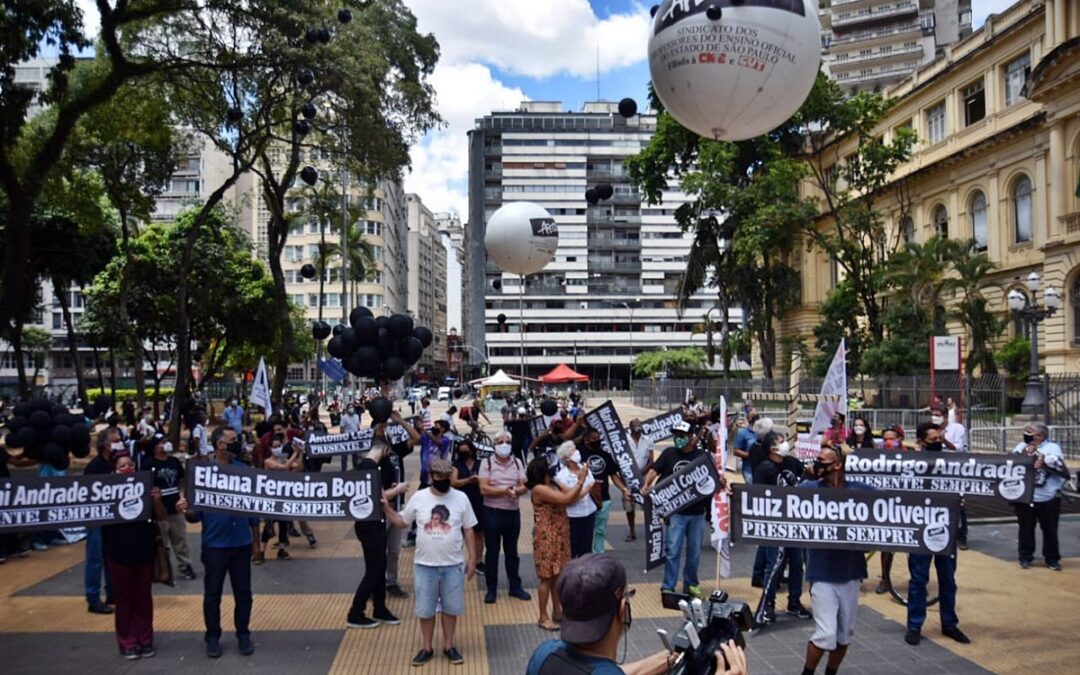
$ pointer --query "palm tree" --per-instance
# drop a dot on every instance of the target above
(359, 258)
(920, 271)
(973, 310)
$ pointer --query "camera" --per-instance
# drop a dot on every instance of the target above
(709, 624)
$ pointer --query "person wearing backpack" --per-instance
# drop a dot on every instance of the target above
(502, 482)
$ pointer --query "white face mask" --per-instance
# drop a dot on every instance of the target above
(277, 452)
(860, 429)
(937, 419)
(116, 446)
(502, 450)
(576, 457)
(167, 447)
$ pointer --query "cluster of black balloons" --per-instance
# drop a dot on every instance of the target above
(382, 348)
(601, 192)
(48, 433)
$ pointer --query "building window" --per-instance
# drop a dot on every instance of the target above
(974, 102)
(941, 221)
(935, 123)
(1021, 196)
(376, 252)
(907, 227)
(1016, 76)
(978, 220)
(1074, 302)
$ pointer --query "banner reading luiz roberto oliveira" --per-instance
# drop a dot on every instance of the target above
(878, 520)
(35, 503)
(281, 495)
(1010, 477)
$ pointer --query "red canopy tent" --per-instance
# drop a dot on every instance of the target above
(563, 373)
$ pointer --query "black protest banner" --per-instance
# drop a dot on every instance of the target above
(397, 434)
(659, 428)
(483, 450)
(55, 502)
(326, 445)
(537, 426)
(1010, 477)
(614, 442)
(878, 520)
(282, 495)
(689, 485)
(654, 538)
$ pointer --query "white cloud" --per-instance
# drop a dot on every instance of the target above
(980, 9)
(91, 17)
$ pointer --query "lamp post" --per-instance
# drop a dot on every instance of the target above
(629, 308)
(1034, 397)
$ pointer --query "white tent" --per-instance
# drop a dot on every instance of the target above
(499, 379)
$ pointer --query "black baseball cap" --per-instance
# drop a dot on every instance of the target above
(590, 588)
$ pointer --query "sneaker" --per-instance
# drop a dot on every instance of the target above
(395, 591)
(129, 654)
(955, 633)
(99, 608)
(362, 622)
(694, 592)
(962, 544)
(666, 590)
(882, 588)
(1024, 564)
(770, 614)
(282, 554)
(213, 648)
(384, 616)
(422, 657)
(39, 547)
(311, 541)
(480, 568)
(520, 594)
(489, 597)
(757, 582)
(57, 542)
(147, 652)
(454, 655)
(189, 573)
(1056, 566)
(912, 637)
(796, 609)
(247, 647)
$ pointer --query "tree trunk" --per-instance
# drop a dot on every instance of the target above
(97, 366)
(134, 343)
(73, 345)
(112, 374)
(20, 360)
(285, 347)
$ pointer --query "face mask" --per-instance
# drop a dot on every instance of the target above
(277, 451)
(860, 429)
(891, 443)
(821, 467)
(934, 447)
(127, 470)
(576, 457)
(351, 411)
(236, 447)
(681, 441)
(634, 429)
(937, 419)
(441, 484)
(234, 404)
(148, 418)
(502, 450)
(116, 446)
(1028, 438)
(167, 447)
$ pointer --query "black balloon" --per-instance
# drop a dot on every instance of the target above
(628, 107)
(393, 367)
(61, 435)
(15, 438)
(344, 15)
(382, 321)
(497, 284)
(22, 410)
(33, 451)
(653, 10)
(359, 313)
(367, 330)
(324, 36)
(309, 175)
(305, 76)
(424, 335)
(400, 326)
(308, 110)
(386, 344)
(62, 419)
(549, 407)
(353, 364)
(410, 350)
(80, 438)
(501, 319)
(16, 423)
(605, 191)
(336, 349)
(301, 127)
(368, 357)
(40, 419)
(320, 330)
(338, 328)
(312, 35)
(41, 404)
(457, 393)
(713, 12)
(56, 455)
(380, 410)
(234, 115)
(350, 340)
(592, 196)
(308, 271)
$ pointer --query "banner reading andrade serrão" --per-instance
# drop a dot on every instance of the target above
(36, 503)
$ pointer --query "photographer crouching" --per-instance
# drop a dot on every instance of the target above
(596, 615)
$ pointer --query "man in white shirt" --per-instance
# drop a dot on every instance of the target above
(953, 434)
(641, 446)
(1050, 476)
(199, 444)
(425, 414)
(444, 534)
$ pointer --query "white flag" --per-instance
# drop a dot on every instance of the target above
(721, 507)
(834, 387)
(260, 389)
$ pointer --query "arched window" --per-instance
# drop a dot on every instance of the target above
(1021, 328)
(941, 221)
(978, 220)
(907, 229)
(1021, 197)
(1074, 304)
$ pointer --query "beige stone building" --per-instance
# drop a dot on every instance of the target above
(998, 161)
(427, 284)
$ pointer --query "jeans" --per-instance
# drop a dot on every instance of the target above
(501, 525)
(581, 535)
(600, 527)
(747, 472)
(919, 569)
(1047, 515)
(775, 566)
(689, 529)
(134, 604)
(438, 589)
(95, 566)
(236, 562)
(393, 552)
(372, 538)
(962, 531)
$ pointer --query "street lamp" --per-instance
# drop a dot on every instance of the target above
(629, 308)
(1034, 397)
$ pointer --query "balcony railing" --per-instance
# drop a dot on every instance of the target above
(879, 13)
(873, 34)
(861, 58)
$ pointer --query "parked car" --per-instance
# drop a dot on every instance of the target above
(418, 392)
(443, 394)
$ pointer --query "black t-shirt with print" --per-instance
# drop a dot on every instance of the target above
(672, 460)
(169, 478)
(788, 472)
(602, 466)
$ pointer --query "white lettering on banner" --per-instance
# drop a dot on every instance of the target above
(71, 514)
(905, 465)
(47, 495)
(208, 476)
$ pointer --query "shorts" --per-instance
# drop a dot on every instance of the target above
(439, 585)
(835, 607)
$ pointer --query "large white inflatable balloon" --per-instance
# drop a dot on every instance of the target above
(734, 69)
(521, 238)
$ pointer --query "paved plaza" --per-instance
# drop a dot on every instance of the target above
(1019, 621)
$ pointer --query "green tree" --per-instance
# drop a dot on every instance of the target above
(1014, 358)
(973, 310)
(37, 342)
(839, 320)
(648, 364)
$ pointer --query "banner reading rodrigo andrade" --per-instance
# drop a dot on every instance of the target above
(1011, 477)
(280, 495)
(812, 517)
(35, 503)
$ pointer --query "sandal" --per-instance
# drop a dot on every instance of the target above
(882, 587)
(553, 627)
(631, 537)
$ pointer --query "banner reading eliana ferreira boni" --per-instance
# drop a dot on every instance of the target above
(872, 520)
(691, 483)
(280, 495)
(35, 503)
(1010, 477)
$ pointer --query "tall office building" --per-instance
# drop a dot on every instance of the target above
(457, 274)
(872, 44)
(427, 285)
(610, 291)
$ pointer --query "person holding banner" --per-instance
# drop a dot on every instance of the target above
(465, 478)
(641, 446)
(400, 447)
(228, 546)
(282, 458)
(582, 512)
(372, 537)
(108, 441)
(1050, 476)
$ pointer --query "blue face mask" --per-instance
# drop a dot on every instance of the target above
(681, 441)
